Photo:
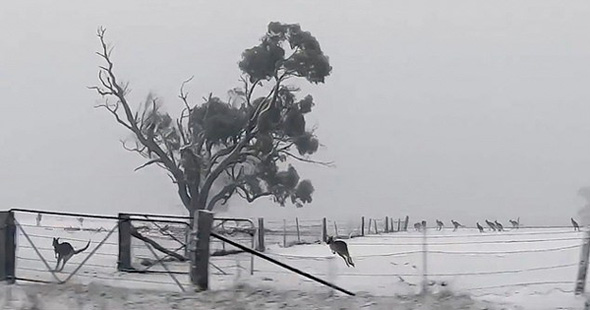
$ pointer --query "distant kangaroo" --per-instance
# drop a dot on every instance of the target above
(515, 224)
(439, 225)
(64, 251)
(491, 225)
(479, 227)
(340, 247)
(499, 226)
(575, 224)
(456, 224)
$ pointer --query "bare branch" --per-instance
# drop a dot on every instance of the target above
(151, 162)
(311, 161)
(184, 95)
(108, 79)
(250, 198)
(222, 196)
(136, 149)
(113, 111)
(172, 178)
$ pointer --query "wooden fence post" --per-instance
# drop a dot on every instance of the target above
(124, 260)
(406, 223)
(260, 246)
(369, 228)
(324, 230)
(298, 234)
(386, 224)
(7, 247)
(399, 224)
(335, 229)
(363, 226)
(199, 271)
(583, 266)
(376, 229)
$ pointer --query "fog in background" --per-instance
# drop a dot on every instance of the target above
(464, 109)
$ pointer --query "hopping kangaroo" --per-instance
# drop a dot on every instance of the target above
(515, 224)
(64, 251)
(491, 225)
(439, 225)
(499, 226)
(456, 224)
(479, 227)
(340, 247)
(575, 224)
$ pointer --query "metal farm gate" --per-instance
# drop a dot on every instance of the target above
(147, 251)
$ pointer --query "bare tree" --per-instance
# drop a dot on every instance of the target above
(215, 150)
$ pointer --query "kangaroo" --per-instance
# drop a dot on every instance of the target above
(479, 227)
(456, 224)
(439, 225)
(491, 225)
(575, 224)
(418, 226)
(424, 224)
(499, 226)
(64, 251)
(340, 247)
(515, 224)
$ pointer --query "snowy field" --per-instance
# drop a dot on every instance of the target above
(515, 269)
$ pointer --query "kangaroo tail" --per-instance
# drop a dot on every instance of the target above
(82, 249)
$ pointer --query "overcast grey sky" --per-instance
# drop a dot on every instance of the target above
(464, 109)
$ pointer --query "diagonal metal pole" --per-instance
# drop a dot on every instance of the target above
(165, 267)
(91, 253)
(37, 251)
(276, 262)
(163, 258)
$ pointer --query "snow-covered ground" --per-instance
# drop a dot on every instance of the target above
(515, 269)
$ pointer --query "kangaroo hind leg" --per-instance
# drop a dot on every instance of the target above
(350, 260)
(344, 258)
(57, 265)
(65, 260)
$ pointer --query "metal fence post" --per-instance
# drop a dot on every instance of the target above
(7, 246)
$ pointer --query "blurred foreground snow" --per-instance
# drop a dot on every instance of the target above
(96, 296)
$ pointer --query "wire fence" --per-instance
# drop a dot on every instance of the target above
(546, 260)
(543, 260)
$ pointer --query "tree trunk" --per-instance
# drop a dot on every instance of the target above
(192, 208)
